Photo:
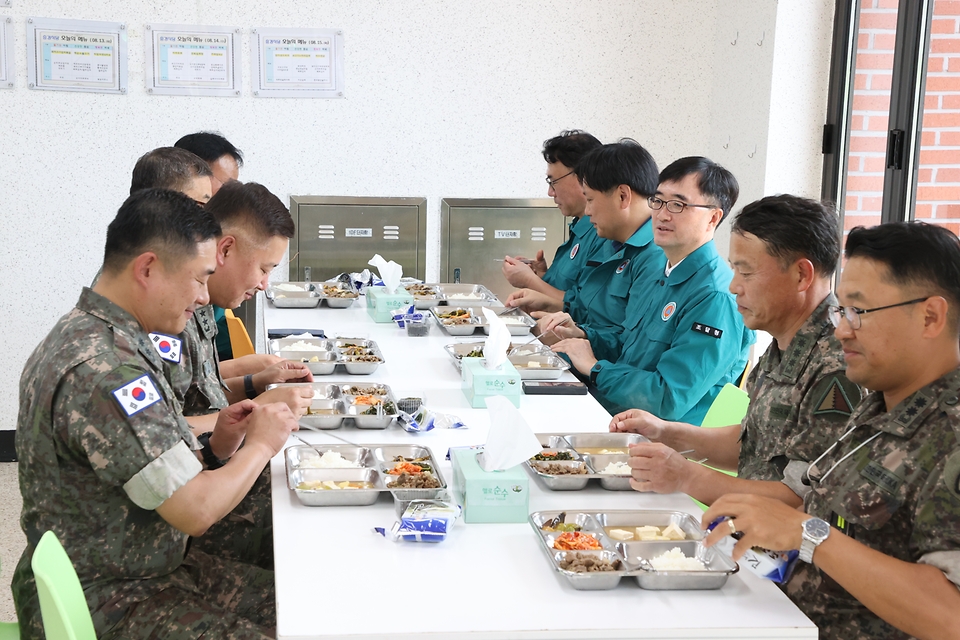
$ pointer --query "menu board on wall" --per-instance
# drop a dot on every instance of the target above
(6, 54)
(304, 63)
(76, 55)
(192, 60)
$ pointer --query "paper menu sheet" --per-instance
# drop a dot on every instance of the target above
(71, 58)
(193, 59)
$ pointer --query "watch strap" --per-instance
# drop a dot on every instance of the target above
(206, 452)
(248, 387)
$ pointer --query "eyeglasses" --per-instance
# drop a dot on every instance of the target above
(852, 314)
(675, 206)
(553, 182)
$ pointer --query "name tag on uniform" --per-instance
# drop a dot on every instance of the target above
(707, 330)
(137, 395)
(167, 346)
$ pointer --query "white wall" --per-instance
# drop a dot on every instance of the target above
(444, 99)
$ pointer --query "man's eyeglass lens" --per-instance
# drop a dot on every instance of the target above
(852, 314)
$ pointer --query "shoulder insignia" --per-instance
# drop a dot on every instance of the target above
(168, 347)
(137, 395)
(573, 252)
(707, 330)
(834, 400)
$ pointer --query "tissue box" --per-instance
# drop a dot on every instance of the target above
(380, 303)
(489, 496)
(479, 383)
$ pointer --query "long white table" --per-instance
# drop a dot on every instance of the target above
(336, 578)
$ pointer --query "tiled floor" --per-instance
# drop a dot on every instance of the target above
(12, 540)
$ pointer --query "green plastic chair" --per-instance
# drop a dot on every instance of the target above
(62, 604)
(9, 631)
(728, 408)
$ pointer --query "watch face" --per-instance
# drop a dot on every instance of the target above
(816, 528)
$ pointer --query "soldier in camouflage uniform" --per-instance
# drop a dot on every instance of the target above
(783, 250)
(256, 232)
(107, 461)
(880, 556)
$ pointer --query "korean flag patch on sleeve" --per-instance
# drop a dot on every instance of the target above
(167, 346)
(137, 395)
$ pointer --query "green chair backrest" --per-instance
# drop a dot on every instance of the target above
(728, 408)
(62, 604)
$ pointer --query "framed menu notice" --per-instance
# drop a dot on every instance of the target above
(192, 60)
(76, 55)
(6, 54)
(302, 63)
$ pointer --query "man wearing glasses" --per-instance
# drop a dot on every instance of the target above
(543, 288)
(879, 536)
(784, 250)
(616, 180)
(673, 352)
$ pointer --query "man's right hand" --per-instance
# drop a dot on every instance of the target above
(561, 324)
(518, 272)
(296, 397)
(529, 300)
(639, 421)
(270, 425)
(539, 264)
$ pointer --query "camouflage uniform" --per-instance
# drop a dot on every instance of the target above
(800, 401)
(102, 444)
(897, 493)
(246, 533)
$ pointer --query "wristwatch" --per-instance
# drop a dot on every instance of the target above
(815, 531)
(206, 452)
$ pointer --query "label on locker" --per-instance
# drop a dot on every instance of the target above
(510, 234)
(359, 233)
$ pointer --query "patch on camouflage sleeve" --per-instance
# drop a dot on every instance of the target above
(835, 395)
(951, 474)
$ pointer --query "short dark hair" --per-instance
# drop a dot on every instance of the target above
(569, 147)
(622, 162)
(251, 206)
(210, 145)
(167, 168)
(165, 222)
(714, 181)
(916, 254)
(792, 227)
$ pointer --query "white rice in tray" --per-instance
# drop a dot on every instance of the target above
(288, 287)
(302, 345)
(617, 469)
(674, 560)
(329, 460)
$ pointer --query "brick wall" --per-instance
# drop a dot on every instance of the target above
(938, 180)
(938, 189)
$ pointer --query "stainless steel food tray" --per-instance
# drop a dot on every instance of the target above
(594, 462)
(424, 301)
(334, 403)
(518, 323)
(330, 355)
(552, 365)
(306, 298)
(634, 556)
(375, 461)
(455, 294)
(337, 302)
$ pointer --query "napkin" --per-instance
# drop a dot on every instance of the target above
(390, 272)
(497, 344)
(510, 440)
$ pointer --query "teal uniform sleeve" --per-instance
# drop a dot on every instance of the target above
(224, 348)
(681, 363)
(604, 341)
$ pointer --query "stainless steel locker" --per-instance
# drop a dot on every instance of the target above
(340, 234)
(475, 233)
